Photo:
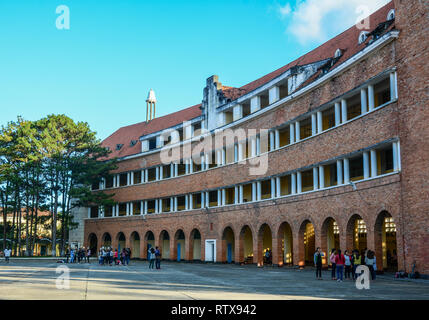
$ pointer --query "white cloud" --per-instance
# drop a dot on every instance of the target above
(311, 20)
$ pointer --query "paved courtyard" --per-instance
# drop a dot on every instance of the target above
(36, 279)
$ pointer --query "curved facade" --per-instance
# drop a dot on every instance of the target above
(313, 156)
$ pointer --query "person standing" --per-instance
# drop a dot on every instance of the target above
(332, 260)
(151, 258)
(72, 256)
(357, 261)
(348, 265)
(318, 263)
(128, 255)
(339, 265)
(7, 252)
(88, 254)
(369, 262)
(158, 258)
(67, 255)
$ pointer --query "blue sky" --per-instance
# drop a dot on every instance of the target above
(101, 69)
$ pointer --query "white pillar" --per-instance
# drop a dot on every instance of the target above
(371, 100)
(393, 86)
(337, 114)
(218, 157)
(373, 154)
(292, 133)
(258, 191)
(277, 139)
(191, 202)
(186, 202)
(343, 110)
(203, 165)
(191, 165)
(273, 188)
(223, 156)
(145, 207)
(127, 210)
(272, 141)
(236, 195)
(315, 178)
(253, 146)
(395, 156)
(293, 182)
(207, 162)
(346, 171)
(89, 213)
(363, 101)
(241, 194)
(321, 177)
(297, 131)
(157, 169)
(313, 124)
(365, 165)
(174, 204)
(172, 170)
(278, 187)
(223, 197)
(319, 122)
(240, 151)
(298, 182)
(146, 175)
(258, 145)
(203, 200)
(207, 200)
(254, 198)
(156, 206)
(237, 112)
(339, 172)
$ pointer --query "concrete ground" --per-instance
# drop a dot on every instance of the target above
(36, 279)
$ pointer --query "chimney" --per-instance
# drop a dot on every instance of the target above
(150, 102)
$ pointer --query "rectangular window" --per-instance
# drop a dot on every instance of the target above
(356, 168)
(305, 128)
(228, 117)
(212, 159)
(266, 189)
(264, 101)
(108, 211)
(151, 174)
(152, 144)
(328, 118)
(197, 129)
(307, 180)
(151, 206)
(196, 200)
(330, 172)
(284, 136)
(213, 198)
(94, 212)
(354, 108)
(109, 182)
(137, 208)
(123, 179)
(285, 185)
(230, 154)
(166, 205)
(382, 92)
(246, 109)
(181, 169)
(137, 177)
(385, 161)
(181, 203)
(229, 196)
(247, 193)
(166, 171)
(122, 209)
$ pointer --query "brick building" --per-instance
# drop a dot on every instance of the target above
(337, 159)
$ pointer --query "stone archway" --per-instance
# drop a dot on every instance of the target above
(385, 244)
(195, 245)
(164, 243)
(356, 234)
(179, 246)
(121, 241)
(307, 243)
(149, 242)
(135, 245)
(246, 245)
(228, 245)
(106, 240)
(330, 238)
(93, 244)
(285, 244)
(265, 245)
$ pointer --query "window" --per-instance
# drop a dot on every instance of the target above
(382, 93)
(151, 206)
(338, 53)
(108, 211)
(196, 201)
(305, 128)
(181, 169)
(230, 196)
(109, 182)
(247, 193)
(328, 118)
(212, 159)
(166, 205)
(137, 178)
(122, 209)
(285, 185)
(391, 15)
(356, 168)
(307, 180)
(197, 129)
(354, 108)
(246, 109)
(385, 160)
(151, 174)
(330, 173)
(181, 203)
(123, 179)
(137, 208)
(95, 185)
(284, 136)
(94, 212)
(166, 171)
(362, 36)
(213, 198)
(266, 189)
(152, 144)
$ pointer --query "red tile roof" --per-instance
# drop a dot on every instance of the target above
(347, 41)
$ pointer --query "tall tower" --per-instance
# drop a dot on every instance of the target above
(150, 102)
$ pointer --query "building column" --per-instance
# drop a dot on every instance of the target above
(292, 133)
(255, 104)
(273, 188)
(223, 196)
(293, 183)
(278, 187)
(237, 112)
(240, 151)
(203, 200)
(371, 100)
(157, 170)
(254, 191)
(277, 139)
(346, 171)
(373, 155)
(241, 194)
(321, 177)
(174, 205)
(339, 172)
(363, 101)
(297, 131)
(223, 156)
(272, 141)
(253, 146)
(218, 157)
(343, 110)
(236, 195)
(156, 206)
(273, 94)
(319, 122)
(314, 124)
(395, 156)
(315, 178)
(337, 114)
(146, 175)
(393, 87)
(365, 165)
(298, 182)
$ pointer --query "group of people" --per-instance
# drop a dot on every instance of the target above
(154, 257)
(79, 255)
(346, 264)
(107, 255)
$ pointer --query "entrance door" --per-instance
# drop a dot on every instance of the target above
(229, 258)
(210, 250)
(178, 252)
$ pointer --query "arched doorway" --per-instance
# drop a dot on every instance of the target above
(385, 242)
(307, 241)
(285, 242)
(164, 240)
(265, 244)
(92, 243)
(179, 245)
(121, 241)
(246, 242)
(106, 240)
(356, 235)
(135, 245)
(330, 238)
(228, 242)
(195, 245)
(149, 241)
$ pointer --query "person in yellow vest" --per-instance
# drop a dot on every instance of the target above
(356, 261)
